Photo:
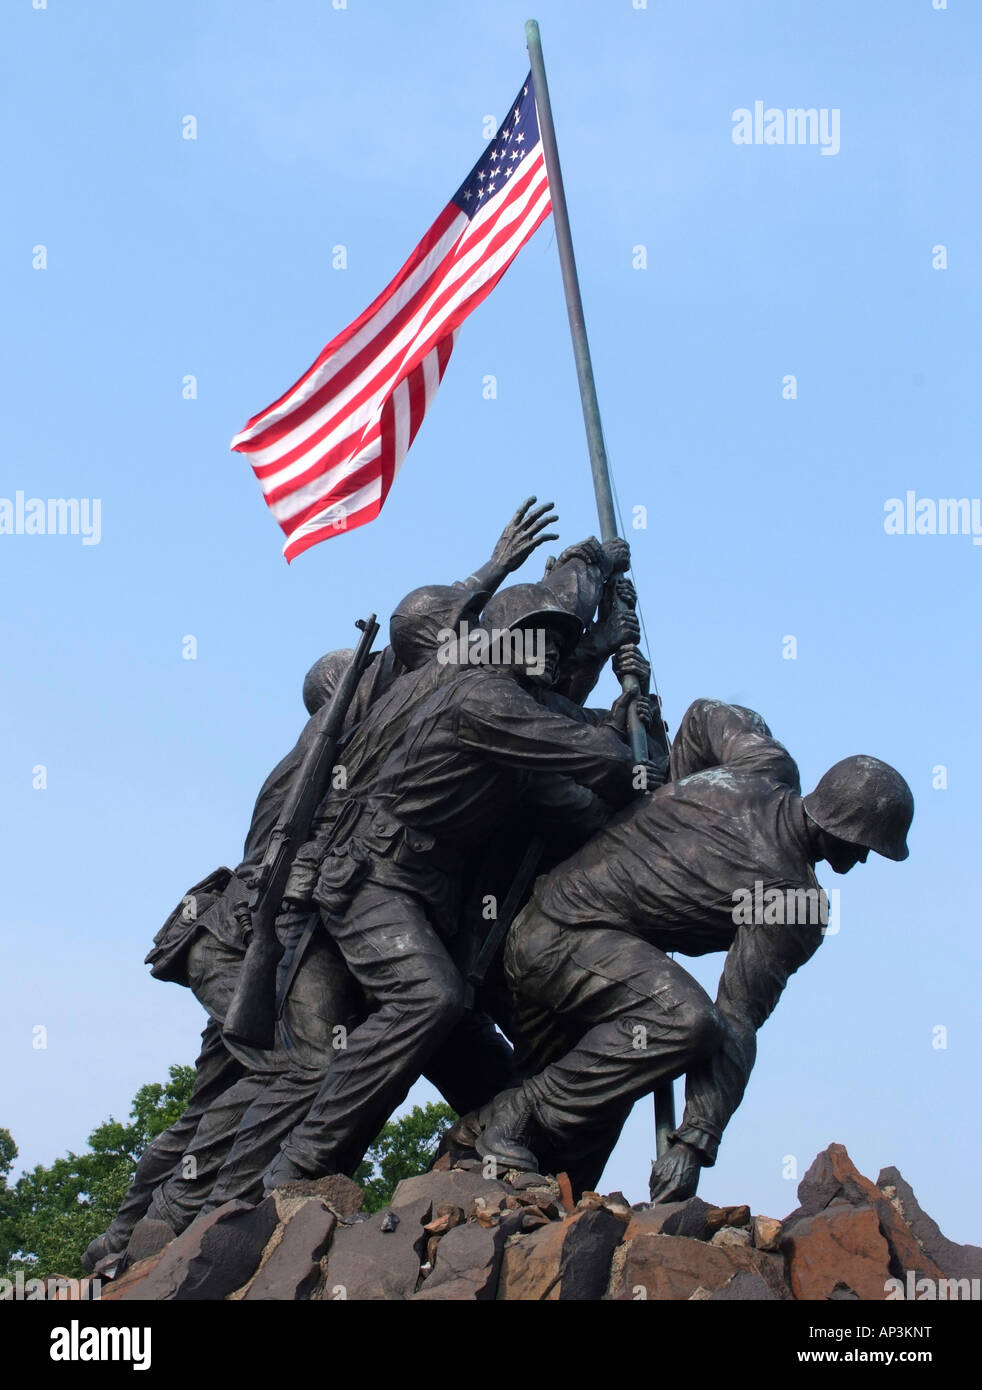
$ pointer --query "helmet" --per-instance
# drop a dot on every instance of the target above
(420, 617)
(529, 606)
(321, 681)
(865, 802)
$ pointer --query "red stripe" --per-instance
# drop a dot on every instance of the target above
(374, 385)
(358, 478)
(417, 400)
(359, 518)
(344, 447)
(432, 237)
(353, 369)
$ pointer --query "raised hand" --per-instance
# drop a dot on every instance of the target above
(522, 535)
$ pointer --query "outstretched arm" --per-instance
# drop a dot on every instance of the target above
(524, 533)
(506, 725)
(421, 619)
(758, 966)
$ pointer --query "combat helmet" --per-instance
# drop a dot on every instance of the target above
(865, 802)
(530, 606)
(321, 681)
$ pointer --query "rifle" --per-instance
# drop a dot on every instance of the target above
(251, 1018)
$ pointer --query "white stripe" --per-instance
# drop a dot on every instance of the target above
(295, 438)
(395, 355)
(401, 422)
(327, 483)
(371, 492)
(315, 488)
(385, 313)
(431, 376)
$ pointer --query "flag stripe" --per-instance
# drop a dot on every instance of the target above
(346, 389)
(327, 451)
(318, 464)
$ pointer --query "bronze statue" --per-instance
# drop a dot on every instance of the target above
(607, 1013)
(468, 763)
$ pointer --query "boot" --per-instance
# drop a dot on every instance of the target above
(282, 1170)
(511, 1133)
(101, 1248)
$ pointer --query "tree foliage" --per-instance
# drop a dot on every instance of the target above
(404, 1148)
(50, 1214)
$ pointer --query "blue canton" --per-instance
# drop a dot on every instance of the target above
(518, 133)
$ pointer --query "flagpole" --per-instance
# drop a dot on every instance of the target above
(664, 1095)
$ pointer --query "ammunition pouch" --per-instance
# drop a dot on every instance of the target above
(373, 842)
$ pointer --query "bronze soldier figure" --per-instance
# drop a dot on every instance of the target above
(385, 870)
(202, 944)
(608, 1013)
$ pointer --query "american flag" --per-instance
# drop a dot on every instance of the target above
(327, 452)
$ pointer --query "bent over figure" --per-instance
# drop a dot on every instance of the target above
(608, 1013)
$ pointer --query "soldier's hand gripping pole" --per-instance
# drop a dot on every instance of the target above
(251, 1018)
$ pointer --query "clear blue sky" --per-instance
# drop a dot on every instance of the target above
(317, 127)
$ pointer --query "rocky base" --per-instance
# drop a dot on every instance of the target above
(452, 1235)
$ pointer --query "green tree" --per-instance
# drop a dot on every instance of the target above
(8, 1202)
(404, 1148)
(50, 1215)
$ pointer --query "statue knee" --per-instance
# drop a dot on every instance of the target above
(450, 1003)
(439, 998)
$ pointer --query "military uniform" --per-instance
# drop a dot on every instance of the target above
(606, 1013)
(385, 873)
(476, 1061)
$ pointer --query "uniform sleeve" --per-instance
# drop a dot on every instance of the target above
(714, 734)
(758, 965)
(567, 815)
(499, 720)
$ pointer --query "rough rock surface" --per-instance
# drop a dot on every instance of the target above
(290, 1266)
(957, 1261)
(212, 1258)
(838, 1253)
(563, 1260)
(452, 1235)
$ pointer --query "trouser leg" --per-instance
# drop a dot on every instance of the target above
(637, 1016)
(322, 996)
(215, 1071)
(212, 973)
(323, 1009)
(395, 954)
(180, 1198)
(473, 1065)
